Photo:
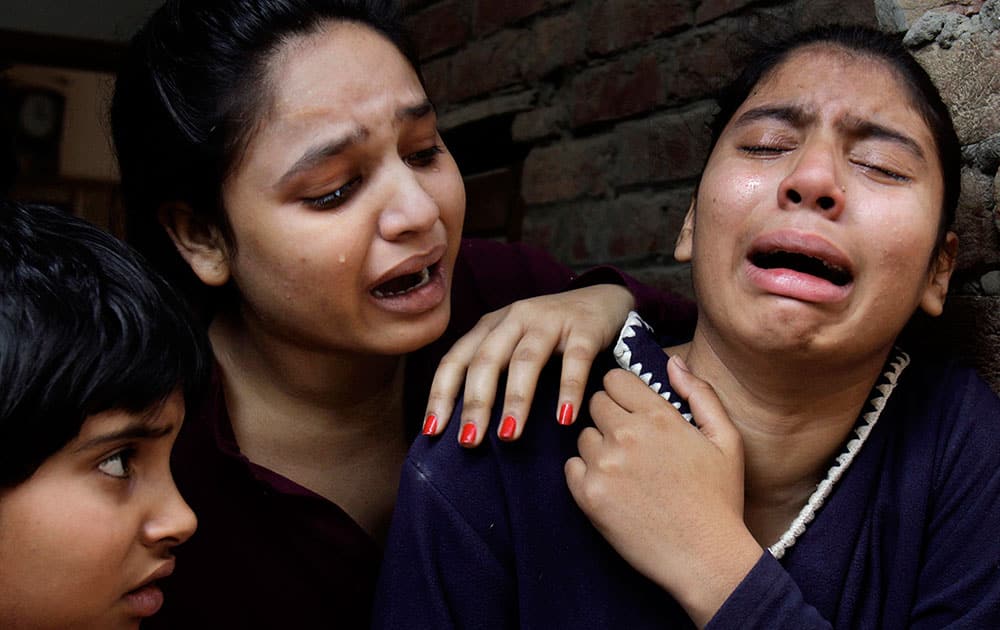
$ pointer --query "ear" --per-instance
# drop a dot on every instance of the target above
(942, 267)
(684, 244)
(199, 243)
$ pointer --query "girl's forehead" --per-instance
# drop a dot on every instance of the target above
(823, 79)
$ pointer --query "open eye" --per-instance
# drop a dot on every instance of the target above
(425, 157)
(119, 464)
(333, 199)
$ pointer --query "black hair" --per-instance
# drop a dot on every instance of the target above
(880, 46)
(86, 326)
(188, 96)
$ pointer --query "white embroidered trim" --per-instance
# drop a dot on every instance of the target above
(624, 358)
(884, 389)
(844, 460)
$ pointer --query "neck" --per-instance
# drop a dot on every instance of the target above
(330, 421)
(793, 415)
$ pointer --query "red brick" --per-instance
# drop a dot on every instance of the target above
(436, 75)
(698, 65)
(708, 10)
(617, 24)
(616, 90)
(558, 43)
(489, 64)
(664, 148)
(494, 14)
(566, 171)
(440, 27)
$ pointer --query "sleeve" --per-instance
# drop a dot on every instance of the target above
(959, 582)
(767, 597)
(438, 571)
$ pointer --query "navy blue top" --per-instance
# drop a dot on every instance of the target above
(270, 553)
(908, 537)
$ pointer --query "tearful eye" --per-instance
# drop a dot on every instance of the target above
(117, 465)
(425, 157)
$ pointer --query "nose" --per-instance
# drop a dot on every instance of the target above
(171, 521)
(814, 182)
(411, 208)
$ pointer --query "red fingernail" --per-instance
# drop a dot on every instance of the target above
(566, 414)
(507, 428)
(430, 424)
(468, 434)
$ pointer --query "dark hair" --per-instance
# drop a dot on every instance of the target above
(85, 326)
(888, 49)
(189, 95)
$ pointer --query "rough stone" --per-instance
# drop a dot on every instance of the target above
(611, 91)
(899, 15)
(975, 223)
(990, 283)
(967, 73)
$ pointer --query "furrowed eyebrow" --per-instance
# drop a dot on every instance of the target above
(867, 129)
(415, 112)
(135, 431)
(321, 152)
(795, 116)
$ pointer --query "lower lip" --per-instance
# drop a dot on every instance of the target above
(418, 301)
(145, 601)
(796, 285)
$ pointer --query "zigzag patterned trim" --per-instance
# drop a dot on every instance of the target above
(623, 355)
(881, 392)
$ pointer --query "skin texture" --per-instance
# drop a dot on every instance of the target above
(95, 521)
(344, 184)
(779, 367)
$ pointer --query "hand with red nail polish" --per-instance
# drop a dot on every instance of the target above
(521, 339)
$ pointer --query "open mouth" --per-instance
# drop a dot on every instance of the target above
(802, 263)
(404, 284)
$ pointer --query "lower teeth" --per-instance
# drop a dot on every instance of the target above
(425, 277)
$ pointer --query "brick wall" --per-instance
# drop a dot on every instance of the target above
(597, 109)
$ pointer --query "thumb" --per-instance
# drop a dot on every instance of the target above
(709, 414)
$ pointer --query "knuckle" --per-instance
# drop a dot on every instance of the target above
(581, 350)
(476, 404)
(574, 383)
(526, 353)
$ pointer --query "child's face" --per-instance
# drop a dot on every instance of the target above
(83, 538)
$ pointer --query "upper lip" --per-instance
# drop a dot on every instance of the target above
(162, 571)
(807, 244)
(413, 264)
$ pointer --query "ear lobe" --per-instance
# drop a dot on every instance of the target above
(942, 267)
(684, 245)
(199, 243)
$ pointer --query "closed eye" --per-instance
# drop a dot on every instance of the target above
(761, 149)
(881, 170)
(333, 199)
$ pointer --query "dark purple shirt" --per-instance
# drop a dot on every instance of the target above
(908, 537)
(269, 553)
